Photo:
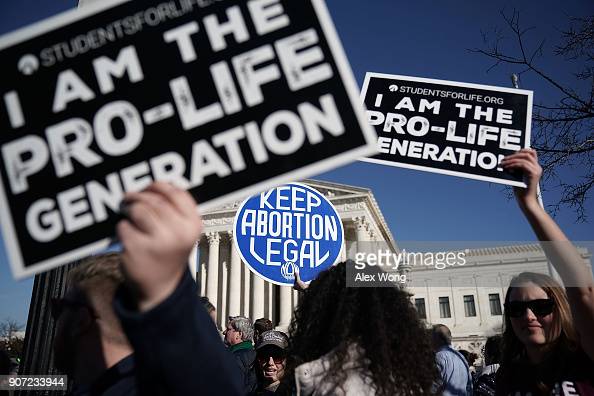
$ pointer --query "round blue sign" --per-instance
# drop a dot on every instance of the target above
(289, 228)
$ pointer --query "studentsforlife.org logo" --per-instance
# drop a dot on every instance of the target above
(287, 229)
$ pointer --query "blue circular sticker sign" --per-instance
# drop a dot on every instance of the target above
(289, 228)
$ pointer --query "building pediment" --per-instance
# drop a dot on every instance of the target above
(332, 191)
(347, 199)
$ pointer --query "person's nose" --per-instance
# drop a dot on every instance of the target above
(270, 361)
(529, 315)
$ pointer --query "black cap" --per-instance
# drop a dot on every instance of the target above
(273, 337)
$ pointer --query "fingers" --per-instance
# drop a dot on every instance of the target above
(525, 160)
(520, 155)
(142, 215)
(517, 163)
(296, 274)
(532, 152)
(298, 284)
(153, 202)
(527, 154)
(160, 201)
(181, 200)
(129, 235)
(297, 280)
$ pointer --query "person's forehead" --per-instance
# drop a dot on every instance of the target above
(527, 291)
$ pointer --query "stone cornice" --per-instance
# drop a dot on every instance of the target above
(350, 197)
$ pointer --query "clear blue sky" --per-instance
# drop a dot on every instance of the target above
(424, 39)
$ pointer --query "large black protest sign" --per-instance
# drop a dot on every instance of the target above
(222, 97)
(447, 127)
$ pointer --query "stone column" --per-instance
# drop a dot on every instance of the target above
(269, 301)
(203, 246)
(234, 279)
(373, 238)
(295, 299)
(286, 307)
(360, 228)
(212, 272)
(223, 283)
(343, 252)
(193, 260)
(247, 290)
(361, 234)
(257, 297)
(349, 254)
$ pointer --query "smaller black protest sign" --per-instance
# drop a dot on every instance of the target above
(224, 98)
(447, 127)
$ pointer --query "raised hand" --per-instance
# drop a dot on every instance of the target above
(162, 228)
(299, 285)
(559, 250)
(525, 160)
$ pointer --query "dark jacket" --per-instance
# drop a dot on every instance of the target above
(245, 355)
(177, 349)
(117, 380)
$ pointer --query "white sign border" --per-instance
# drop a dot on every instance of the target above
(20, 271)
(396, 164)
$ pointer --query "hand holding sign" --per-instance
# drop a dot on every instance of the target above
(158, 238)
(299, 285)
(525, 160)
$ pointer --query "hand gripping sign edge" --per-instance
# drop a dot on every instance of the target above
(270, 272)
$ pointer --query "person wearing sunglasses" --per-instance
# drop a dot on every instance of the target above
(271, 355)
(548, 339)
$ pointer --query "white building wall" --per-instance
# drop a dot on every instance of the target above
(488, 271)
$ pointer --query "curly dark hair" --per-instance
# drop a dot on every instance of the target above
(397, 354)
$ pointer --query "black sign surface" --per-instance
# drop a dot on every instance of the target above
(447, 127)
(222, 97)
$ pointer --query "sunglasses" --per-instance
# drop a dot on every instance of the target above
(540, 308)
(58, 305)
(277, 356)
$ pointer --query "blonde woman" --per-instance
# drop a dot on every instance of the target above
(549, 331)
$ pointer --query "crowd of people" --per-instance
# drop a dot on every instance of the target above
(131, 323)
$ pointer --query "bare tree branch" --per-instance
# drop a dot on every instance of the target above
(563, 130)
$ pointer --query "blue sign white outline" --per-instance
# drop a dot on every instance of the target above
(246, 263)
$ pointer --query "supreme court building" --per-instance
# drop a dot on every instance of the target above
(468, 299)
(234, 290)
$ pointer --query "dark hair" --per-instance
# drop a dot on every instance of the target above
(207, 304)
(441, 335)
(261, 325)
(469, 356)
(466, 355)
(4, 362)
(397, 354)
(492, 350)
